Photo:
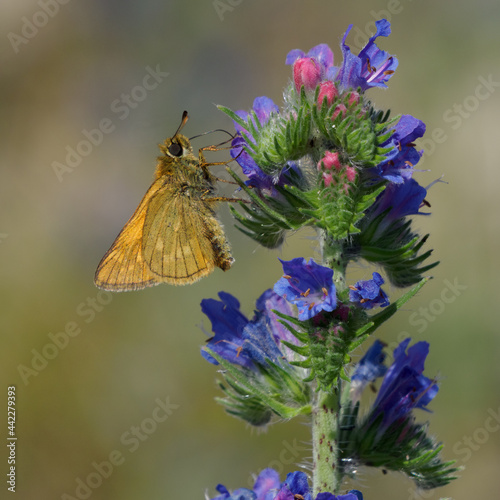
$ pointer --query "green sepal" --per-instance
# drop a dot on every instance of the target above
(299, 349)
(267, 218)
(257, 200)
(235, 117)
(239, 404)
(286, 320)
(254, 395)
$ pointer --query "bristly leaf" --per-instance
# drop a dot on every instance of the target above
(405, 448)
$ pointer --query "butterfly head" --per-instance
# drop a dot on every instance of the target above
(176, 147)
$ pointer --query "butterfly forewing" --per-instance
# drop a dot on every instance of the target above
(123, 266)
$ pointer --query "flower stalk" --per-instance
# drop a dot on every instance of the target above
(333, 256)
(329, 160)
(326, 474)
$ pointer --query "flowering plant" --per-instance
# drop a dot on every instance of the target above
(330, 160)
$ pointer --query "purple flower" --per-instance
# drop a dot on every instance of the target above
(368, 294)
(239, 494)
(396, 202)
(399, 162)
(267, 481)
(401, 200)
(242, 341)
(372, 67)
(370, 367)
(264, 107)
(307, 285)
(268, 487)
(320, 53)
(228, 324)
(265, 304)
(404, 386)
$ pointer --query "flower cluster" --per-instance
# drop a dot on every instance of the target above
(269, 487)
(328, 159)
(257, 356)
(387, 436)
(372, 67)
(404, 386)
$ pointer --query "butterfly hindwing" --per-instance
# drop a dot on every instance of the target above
(178, 240)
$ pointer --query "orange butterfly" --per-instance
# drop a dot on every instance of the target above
(174, 235)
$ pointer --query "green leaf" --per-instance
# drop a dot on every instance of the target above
(387, 312)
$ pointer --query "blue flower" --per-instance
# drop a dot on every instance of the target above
(370, 367)
(372, 67)
(400, 160)
(404, 386)
(400, 200)
(368, 293)
(247, 342)
(268, 487)
(307, 285)
(228, 324)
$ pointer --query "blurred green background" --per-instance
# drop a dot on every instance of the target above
(81, 407)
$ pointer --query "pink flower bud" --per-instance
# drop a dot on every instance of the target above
(307, 72)
(350, 173)
(353, 98)
(339, 109)
(327, 89)
(327, 177)
(329, 160)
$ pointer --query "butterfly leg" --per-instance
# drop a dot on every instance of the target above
(216, 199)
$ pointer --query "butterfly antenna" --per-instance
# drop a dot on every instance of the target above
(231, 136)
(185, 118)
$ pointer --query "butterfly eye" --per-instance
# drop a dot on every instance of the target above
(175, 149)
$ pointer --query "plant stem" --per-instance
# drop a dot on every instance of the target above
(327, 475)
(333, 257)
(325, 449)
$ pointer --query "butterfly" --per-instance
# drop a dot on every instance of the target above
(174, 235)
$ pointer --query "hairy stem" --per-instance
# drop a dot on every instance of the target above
(324, 430)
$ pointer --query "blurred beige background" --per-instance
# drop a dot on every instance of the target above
(100, 397)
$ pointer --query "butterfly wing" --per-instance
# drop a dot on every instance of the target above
(183, 240)
(123, 266)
